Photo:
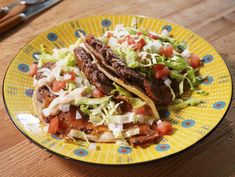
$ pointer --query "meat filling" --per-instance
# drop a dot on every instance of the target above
(95, 76)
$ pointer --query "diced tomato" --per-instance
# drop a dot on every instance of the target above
(168, 51)
(109, 35)
(130, 40)
(137, 46)
(53, 126)
(162, 51)
(120, 41)
(194, 61)
(160, 71)
(164, 128)
(58, 85)
(33, 68)
(73, 75)
(139, 33)
(97, 93)
(140, 110)
(140, 44)
(152, 36)
(158, 67)
(143, 110)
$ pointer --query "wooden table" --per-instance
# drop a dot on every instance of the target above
(213, 156)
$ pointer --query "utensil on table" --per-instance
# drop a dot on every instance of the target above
(14, 21)
(5, 10)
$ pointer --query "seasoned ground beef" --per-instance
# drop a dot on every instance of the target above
(94, 75)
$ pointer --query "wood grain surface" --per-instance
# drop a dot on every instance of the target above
(214, 156)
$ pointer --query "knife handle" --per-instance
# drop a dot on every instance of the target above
(3, 11)
(12, 22)
(14, 11)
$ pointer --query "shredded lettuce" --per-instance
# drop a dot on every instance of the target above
(118, 51)
(192, 77)
(144, 32)
(182, 104)
(120, 90)
(43, 49)
(176, 75)
(181, 46)
(202, 92)
(91, 101)
(71, 86)
(97, 117)
(130, 117)
(135, 102)
(131, 59)
(85, 108)
(64, 55)
(165, 38)
(190, 83)
(175, 65)
(172, 92)
(181, 87)
(200, 79)
(122, 119)
(131, 31)
(179, 59)
(102, 113)
(70, 60)
(45, 58)
(130, 56)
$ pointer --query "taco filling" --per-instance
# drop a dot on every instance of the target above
(110, 89)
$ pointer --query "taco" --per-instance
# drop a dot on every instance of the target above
(99, 91)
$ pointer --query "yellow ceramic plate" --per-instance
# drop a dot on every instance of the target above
(191, 124)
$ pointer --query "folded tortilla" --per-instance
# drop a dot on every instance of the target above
(100, 61)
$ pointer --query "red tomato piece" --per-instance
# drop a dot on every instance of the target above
(57, 85)
(139, 33)
(140, 110)
(33, 68)
(97, 93)
(152, 36)
(164, 128)
(162, 51)
(137, 46)
(73, 75)
(158, 67)
(142, 42)
(130, 40)
(53, 126)
(168, 51)
(194, 61)
(162, 73)
(120, 41)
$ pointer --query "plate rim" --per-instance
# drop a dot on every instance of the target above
(113, 164)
